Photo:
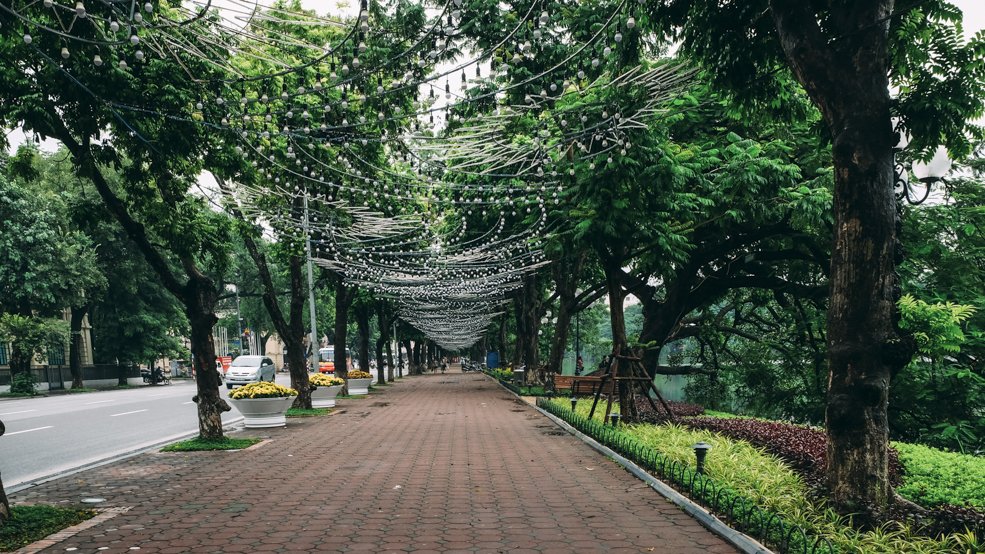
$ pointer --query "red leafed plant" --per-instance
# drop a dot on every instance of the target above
(803, 448)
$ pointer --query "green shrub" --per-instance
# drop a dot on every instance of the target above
(23, 383)
(28, 524)
(936, 477)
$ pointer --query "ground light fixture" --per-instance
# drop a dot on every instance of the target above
(700, 452)
(574, 403)
(614, 420)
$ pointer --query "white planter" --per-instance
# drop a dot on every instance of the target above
(263, 412)
(324, 397)
(359, 386)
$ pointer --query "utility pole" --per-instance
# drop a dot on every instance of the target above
(313, 362)
(239, 322)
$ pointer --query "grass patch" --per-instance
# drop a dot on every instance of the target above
(198, 445)
(28, 524)
(308, 412)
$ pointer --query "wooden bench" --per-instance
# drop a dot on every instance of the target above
(579, 385)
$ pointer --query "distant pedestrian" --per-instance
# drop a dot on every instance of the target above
(579, 366)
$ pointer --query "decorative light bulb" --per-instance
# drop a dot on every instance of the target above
(114, 26)
(28, 39)
(148, 7)
(630, 23)
(98, 61)
(65, 53)
(80, 10)
(134, 40)
(139, 54)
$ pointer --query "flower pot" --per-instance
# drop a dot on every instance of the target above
(324, 397)
(263, 412)
(359, 386)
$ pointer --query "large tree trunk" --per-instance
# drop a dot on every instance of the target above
(343, 297)
(417, 369)
(389, 361)
(75, 347)
(20, 364)
(362, 310)
(381, 342)
(848, 80)
(200, 300)
(4, 503)
(501, 339)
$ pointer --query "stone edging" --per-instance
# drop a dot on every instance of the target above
(743, 542)
(69, 532)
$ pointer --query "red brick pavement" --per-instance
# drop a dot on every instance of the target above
(436, 463)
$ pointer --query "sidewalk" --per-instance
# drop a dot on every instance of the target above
(434, 463)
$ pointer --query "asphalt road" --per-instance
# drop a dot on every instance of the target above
(56, 434)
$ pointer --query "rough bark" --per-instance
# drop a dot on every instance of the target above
(848, 80)
(389, 361)
(200, 309)
(75, 347)
(343, 298)
(362, 312)
(382, 342)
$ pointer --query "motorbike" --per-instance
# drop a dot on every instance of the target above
(156, 376)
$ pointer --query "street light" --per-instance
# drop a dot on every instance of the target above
(927, 173)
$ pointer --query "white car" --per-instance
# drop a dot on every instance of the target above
(250, 369)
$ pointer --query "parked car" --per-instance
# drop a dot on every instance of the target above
(250, 369)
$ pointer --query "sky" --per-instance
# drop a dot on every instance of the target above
(974, 21)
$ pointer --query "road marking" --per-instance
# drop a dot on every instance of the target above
(127, 413)
(183, 403)
(98, 402)
(20, 412)
(29, 430)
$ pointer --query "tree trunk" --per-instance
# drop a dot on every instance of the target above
(501, 343)
(20, 364)
(75, 347)
(4, 503)
(200, 302)
(343, 297)
(362, 310)
(521, 333)
(559, 342)
(417, 370)
(848, 81)
(389, 361)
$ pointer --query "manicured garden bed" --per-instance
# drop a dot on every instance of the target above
(776, 503)
(198, 444)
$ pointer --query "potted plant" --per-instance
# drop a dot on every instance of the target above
(359, 382)
(324, 389)
(263, 404)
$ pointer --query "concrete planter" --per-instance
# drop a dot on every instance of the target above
(324, 397)
(359, 386)
(263, 412)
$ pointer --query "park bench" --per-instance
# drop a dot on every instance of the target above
(579, 385)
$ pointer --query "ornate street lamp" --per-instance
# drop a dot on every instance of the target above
(927, 173)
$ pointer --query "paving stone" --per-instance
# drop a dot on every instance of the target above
(435, 463)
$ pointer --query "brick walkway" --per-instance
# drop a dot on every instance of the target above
(436, 463)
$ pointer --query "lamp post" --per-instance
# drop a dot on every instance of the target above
(700, 452)
(927, 173)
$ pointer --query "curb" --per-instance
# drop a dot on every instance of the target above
(231, 425)
(741, 541)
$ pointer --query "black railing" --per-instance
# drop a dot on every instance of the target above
(739, 511)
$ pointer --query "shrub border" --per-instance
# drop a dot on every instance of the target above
(640, 460)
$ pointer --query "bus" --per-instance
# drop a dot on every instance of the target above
(326, 359)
